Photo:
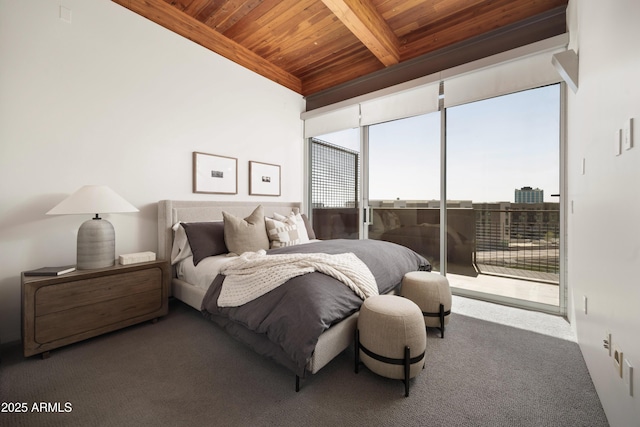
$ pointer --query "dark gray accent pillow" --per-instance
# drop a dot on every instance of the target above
(205, 238)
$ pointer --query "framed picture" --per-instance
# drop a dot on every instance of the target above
(214, 174)
(264, 179)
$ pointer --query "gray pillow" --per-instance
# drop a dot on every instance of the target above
(309, 227)
(205, 238)
(245, 235)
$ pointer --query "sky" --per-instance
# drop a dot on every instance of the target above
(494, 146)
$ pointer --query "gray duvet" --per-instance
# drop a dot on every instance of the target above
(285, 323)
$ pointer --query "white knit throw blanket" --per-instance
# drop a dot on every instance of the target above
(253, 274)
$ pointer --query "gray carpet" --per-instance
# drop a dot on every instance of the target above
(185, 371)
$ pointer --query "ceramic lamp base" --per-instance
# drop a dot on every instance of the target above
(96, 245)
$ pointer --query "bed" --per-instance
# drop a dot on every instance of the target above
(308, 354)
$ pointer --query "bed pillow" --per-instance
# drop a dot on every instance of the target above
(205, 238)
(245, 235)
(180, 249)
(308, 226)
(283, 233)
(294, 219)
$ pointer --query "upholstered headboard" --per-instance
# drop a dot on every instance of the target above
(172, 211)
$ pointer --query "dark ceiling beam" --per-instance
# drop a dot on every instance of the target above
(531, 30)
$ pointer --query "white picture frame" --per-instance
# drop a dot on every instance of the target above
(213, 174)
(264, 179)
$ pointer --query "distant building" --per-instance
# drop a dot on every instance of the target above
(529, 195)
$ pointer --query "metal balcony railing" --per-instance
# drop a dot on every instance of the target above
(518, 243)
(522, 243)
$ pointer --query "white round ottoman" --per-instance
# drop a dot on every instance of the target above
(391, 339)
(431, 292)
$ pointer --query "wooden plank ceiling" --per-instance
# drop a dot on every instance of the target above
(312, 45)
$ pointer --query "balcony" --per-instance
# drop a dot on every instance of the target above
(506, 249)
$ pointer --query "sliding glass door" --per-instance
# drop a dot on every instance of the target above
(497, 164)
(403, 190)
(503, 169)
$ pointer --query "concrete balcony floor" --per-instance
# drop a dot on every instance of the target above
(523, 289)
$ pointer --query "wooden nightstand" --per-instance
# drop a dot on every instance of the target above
(61, 310)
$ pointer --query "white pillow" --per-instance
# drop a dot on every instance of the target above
(282, 233)
(294, 219)
(180, 249)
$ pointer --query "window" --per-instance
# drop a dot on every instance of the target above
(335, 185)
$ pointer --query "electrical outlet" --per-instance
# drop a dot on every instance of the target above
(617, 360)
(628, 375)
(607, 342)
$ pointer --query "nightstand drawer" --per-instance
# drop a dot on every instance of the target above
(79, 293)
(86, 318)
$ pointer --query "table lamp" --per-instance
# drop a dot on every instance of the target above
(96, 237)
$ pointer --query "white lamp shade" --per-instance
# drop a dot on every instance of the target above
(93, 199)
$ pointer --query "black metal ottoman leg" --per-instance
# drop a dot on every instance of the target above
(441, 321)
(407, 366)
(357, 351)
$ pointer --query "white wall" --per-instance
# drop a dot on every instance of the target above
(112, 98)
(604, 228)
